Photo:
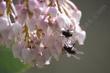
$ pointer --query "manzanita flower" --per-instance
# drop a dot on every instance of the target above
(39, 30)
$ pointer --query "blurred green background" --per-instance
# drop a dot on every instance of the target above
(96, 21)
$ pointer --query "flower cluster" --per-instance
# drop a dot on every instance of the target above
(39, 30)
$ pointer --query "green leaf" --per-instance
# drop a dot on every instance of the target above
(8, 64)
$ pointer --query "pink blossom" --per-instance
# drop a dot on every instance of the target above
(41, 30)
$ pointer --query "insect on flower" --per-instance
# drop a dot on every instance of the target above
(39, 30)
(69, 49)
(67, 33)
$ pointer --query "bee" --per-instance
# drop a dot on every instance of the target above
(67, 33)
(69, 49)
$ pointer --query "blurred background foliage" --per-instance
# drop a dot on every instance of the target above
(96, 21)
(8, 64)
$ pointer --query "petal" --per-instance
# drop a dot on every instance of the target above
(4, 24)
(81, 37)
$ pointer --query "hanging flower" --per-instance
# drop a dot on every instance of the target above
(39, 30)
